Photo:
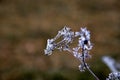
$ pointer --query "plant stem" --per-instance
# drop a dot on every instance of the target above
(92, 73)
(86, 66)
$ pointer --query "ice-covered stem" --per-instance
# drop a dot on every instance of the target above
(86, 66)
(81, 51)
(110, 62)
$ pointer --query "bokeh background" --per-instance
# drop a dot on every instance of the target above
(25, 25)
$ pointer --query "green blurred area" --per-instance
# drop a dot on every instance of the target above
(25, 25)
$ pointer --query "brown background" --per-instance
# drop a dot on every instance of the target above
(25, 25)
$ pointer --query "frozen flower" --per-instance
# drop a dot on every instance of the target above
(84, 39)
(84, 45)
(81, 51)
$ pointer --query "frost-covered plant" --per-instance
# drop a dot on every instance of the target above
(114, 76)
(81, 51)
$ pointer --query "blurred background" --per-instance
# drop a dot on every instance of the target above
(25, 26)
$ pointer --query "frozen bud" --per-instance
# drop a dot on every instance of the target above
(86, 54)
(87, 33)
(76, 53)
(50, 47)
(77, 34)
(76, 49)
(83, 29)
(81, 41)
(66, 48)
(64, 30)
(67, 28)
(82, 67)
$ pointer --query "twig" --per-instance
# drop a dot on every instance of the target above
(86, 66)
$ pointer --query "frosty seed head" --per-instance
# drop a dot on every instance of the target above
(81, 51)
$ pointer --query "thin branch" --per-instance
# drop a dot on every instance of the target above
(86, 66)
